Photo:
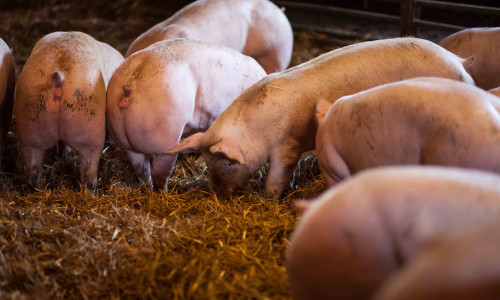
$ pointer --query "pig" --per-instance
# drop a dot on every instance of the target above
(61, 96)
(483, 43)
(357, 234)
(459, 265)
(415, 121)
(495, 91)
(274, 119)
(172, 89)
(256, 28)
(7, 86)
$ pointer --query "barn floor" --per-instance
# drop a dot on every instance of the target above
(130, 242)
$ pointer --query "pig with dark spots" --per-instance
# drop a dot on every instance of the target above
(273, 121)
(430, 120)
(256, 28)
(356, 235)
(461, 265)
(61, 99)
(483, 44)
(171, 90)
(7, 86)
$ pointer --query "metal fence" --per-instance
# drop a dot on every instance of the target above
(410, 13)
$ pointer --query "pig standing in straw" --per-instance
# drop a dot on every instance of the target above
(61, 96)
(7, 86)
(256, 28)
(274, 119)
(432, 120)
(357, 234)
(172, 89)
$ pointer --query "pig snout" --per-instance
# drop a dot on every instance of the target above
(226, 176)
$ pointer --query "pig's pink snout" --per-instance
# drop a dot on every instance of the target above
(57, 81)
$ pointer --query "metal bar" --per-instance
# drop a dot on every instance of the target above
(391, 1)
(408, 12)
(329, 31)
(460, 7)
(438, 25)
(338, 10)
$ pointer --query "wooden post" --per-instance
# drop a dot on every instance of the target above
(409, 12)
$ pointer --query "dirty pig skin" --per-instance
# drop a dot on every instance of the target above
(61, 96)
(354, 236)
(434, 121)
(172, 89)
(7, 86)
(256, 28)
(274, 119)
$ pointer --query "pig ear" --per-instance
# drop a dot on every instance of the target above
(230, 149)
(302, 205)
(193, 143)
(322, 108)
(468, 62)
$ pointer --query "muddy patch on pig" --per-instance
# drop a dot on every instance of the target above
(37, 106)
(84, 103)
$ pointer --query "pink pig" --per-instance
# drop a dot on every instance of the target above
(61, 96)
(256, 28)
(357, 234)
(7, 85)
(172, 89)
(483, 43)
(461, 265)
(273, 121)
(416, 121)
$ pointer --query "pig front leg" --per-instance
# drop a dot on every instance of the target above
(161, 169)
(33, 159)
(281, 168)
(142, 166)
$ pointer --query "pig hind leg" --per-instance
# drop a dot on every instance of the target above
(33, 159)
(62, 149)
(142, 166)
(89, 159)
(270, 61)
(161, 170)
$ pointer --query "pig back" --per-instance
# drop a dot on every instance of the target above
(187, 82)
(483, 44)
(415, 121)
(109, 60)
(358, 233)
